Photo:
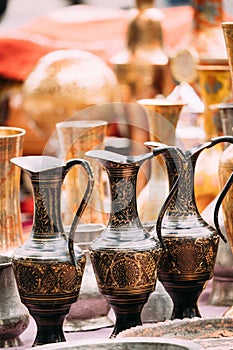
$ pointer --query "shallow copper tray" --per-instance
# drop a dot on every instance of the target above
(209, 333)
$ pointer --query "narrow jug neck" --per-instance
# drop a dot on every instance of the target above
(123, 192)
(47, 212)
(183, 202)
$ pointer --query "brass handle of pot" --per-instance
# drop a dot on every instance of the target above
(215, 141)
(177, 153)
(160, 148)
(218, 204)
(89, 188)
(163, 211)
(195, 153)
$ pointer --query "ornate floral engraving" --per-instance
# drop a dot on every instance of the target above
(125, 270)
(188, 255)
(48, 279)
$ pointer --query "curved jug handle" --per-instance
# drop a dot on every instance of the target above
(215, 141)
(158, 149)
(194, 153)
(163, 211)
(89, 188)
(218, 204)
(172, 192)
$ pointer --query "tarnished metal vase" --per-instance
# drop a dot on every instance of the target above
(222, 284)
(11, 233)
(227, 28)
(142, 66)
(75, 138)
(14, 316)
(163, 116)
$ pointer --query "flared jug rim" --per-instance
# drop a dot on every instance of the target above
(118, 158)
(37, 163)
(161, 102)
(5, 261)
(228, 24)
(224, 105)
(11, 131)
(81, 123)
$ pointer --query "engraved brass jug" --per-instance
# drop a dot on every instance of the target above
(191, 243)
(48, 267)
(125, 256)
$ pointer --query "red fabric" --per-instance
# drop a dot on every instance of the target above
(94, 29)
(17, 57)
(73, 27)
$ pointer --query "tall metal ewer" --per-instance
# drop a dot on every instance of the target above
(163, 117)
(222, 284)
(124, 256)
(228, 35)
(11, 145)
(48, 267)
(191, 243)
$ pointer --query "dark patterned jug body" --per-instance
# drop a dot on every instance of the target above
(124, 256)
(48, 267)
(191, 243)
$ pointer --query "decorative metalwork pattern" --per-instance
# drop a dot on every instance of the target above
(47, 207)
(123, 179)
(191, 244)
(48, 280)
(125, 270)
(122, 195)
(48, 267)
(124, 256)
(189, 255)
(182, 204)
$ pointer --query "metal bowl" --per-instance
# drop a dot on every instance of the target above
(124, 344)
